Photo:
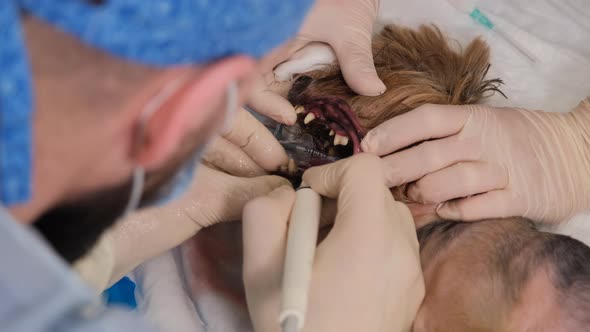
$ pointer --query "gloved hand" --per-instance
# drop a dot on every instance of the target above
(248, 149)
(366, 274)
(347, 26)
(214, 197)
(265, 100)
(486, 162)
(245, 149)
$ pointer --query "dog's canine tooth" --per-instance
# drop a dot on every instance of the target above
(299, 109)
(309, 118)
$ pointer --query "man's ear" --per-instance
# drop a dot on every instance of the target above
(189, 101)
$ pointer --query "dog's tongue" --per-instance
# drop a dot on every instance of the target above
(214, 268)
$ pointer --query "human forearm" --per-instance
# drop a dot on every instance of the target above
(218, 197)
(134, 240)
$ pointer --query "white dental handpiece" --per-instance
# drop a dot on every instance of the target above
(301, 244)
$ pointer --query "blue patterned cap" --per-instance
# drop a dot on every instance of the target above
(153, 32)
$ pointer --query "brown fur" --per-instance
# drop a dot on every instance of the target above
(418, 67)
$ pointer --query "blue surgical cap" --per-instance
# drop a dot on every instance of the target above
(153, 32)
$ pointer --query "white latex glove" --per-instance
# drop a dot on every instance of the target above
(345, 25)
(314, 56)
(366, 274)
(265, 100)
(486, 162)
(214, 197)
(248, 149)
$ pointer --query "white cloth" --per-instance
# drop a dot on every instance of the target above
(161, 295)
(555, 31)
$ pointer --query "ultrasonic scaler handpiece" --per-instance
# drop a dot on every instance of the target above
(301, 245)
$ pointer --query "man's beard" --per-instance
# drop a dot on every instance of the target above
(72, 228)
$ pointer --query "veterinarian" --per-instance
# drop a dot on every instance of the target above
(106, 106)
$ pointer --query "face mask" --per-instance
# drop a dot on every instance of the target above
(183, 179)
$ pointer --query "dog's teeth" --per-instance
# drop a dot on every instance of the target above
(299, 109)
(292, 168)
(331, 133)
(344, 141)
(309, 118)
(340, 140)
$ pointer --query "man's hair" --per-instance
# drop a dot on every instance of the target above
(515, 256)
(569, 262)
(446, 230)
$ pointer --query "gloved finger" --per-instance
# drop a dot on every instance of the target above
(423, 214)
(264, 226)
(281, 54)
(329, 211)
(327, 217)
(226, 156)
(226, 196)
(313, 56)
(257, 141)
(423, 123)
(458, 180)
(357, 183)
(355, 57)
(402, 221)
(272, 105)
(217, 197)
(428, 157)
(493, 204)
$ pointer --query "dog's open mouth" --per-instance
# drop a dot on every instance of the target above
(326, 130)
